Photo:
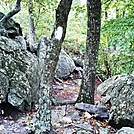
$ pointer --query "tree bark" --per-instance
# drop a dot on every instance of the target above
(31, 27)
(48, 58)
(91, 57)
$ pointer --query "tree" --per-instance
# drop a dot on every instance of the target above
(116, 47)
(49, 51)
(31, 26)
(91, 56)
(48, 62)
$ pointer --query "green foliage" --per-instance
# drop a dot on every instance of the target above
(117, 46)
(76, 30)
(43, 13)
(117, 40)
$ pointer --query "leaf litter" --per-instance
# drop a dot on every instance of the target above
(66, 120)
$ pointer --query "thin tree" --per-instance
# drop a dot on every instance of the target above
(91, 57)
(31, 26)
(48, 58)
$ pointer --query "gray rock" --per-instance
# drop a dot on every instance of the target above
(90, 108)
(65, 66)
(61, 101)
(19, 79)
(4, 85)
(74, 116)
(103, 130)
(104, 100)
(86, 127)
(120, 88)
(79, 70)
(66, 119)
(78, 62)
(125, 130)
(112, 84)
(58, 113)
(68, 131)
(58, 87)
(83, 132)
(101, 115)
(87, 115)
(78, 82)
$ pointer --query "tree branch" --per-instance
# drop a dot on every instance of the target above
(11, 13)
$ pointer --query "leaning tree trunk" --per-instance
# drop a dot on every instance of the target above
(48, 57)
(92, 45)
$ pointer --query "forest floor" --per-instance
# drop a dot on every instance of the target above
(65, 118)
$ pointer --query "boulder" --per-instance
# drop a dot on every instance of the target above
(93, 109)
(19, 79)
(65, 66)
(125, 130)
(119, 90)
(78, 62)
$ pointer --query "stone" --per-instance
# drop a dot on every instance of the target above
(119, 90)
(78, 62)
(108, 86)
(78, 81)
(19, 78)
(125, 130)
(104, 100)
(101, 116)
(90, 108)
(68, 131)
(66, 119)
(61, 101)
(83, 132)
(103, 130)
(58, 87)
(57, 125)
(57, 113)
(4, 85)
(1, 128)
(65, 66)
(87, 115)
(84, 126)
(74, 116)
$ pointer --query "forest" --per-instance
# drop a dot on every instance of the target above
(66, 67)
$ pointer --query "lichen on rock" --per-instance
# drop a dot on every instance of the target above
(18, 73)
(119, 90)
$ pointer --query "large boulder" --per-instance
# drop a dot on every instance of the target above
(65, 66)
(19, 79)
(119, 90)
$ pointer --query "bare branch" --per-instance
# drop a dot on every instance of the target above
(11, 13)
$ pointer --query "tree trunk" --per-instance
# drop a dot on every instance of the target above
(48, 57)
(31, 27)
(91, 57)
